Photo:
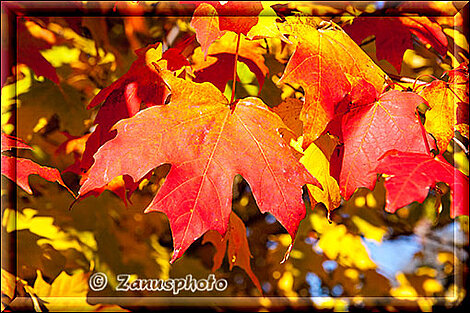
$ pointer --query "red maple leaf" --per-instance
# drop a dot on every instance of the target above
(410, 175)
(123, 99)
(212, 19)
(10, 142)
(237, 16)
(32, 38)
(370, 131)
(74, 145)
(328, 65)
(393, 35)
(175, 59)
(218, 67)
(19, 169)
(123, 187)
(238, 251)
(207, 144)
(442, 12)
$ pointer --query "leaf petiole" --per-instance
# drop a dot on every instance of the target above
(423, 132)
(235, 70)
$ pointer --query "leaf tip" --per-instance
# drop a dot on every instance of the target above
(176, 255)
(148, 210)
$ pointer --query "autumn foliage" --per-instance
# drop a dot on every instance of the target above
(297, 106)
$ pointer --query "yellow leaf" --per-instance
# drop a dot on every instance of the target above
(462, 129)
(340, 245)
(318, 165)
(68, 293)
(60, 55)
(266, 26)
(459, 38)
(161, 256)
(368, 230)
(8, 284)
(432, 286)
(447, 101)
(352, 274)
(285, 239)
(43, 226)
(286, 282)
(328, 65)
(9, 97)
(440, 118)
(405, 291)
(426, 304)
(426, 271)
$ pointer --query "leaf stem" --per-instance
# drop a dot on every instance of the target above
(367, 42)
(235, 69)
(418, 79)
(423, 132)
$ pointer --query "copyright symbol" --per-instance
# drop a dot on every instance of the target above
(98, 281)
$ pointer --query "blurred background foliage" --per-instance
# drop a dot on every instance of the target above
(359, 257)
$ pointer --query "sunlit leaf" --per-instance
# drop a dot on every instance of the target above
(210, 139)
(68, 292)
(238, 251)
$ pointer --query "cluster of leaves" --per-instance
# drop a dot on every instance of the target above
(267, 91)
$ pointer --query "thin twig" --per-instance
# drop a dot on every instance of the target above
(367, 42)
(398, 84)
(425, 75)
(268, 51)
(461, 145)
(406, 79)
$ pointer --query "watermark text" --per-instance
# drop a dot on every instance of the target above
(98, 282)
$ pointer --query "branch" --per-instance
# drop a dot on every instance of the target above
(461, 145)
(407, 79)
(364, 43)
